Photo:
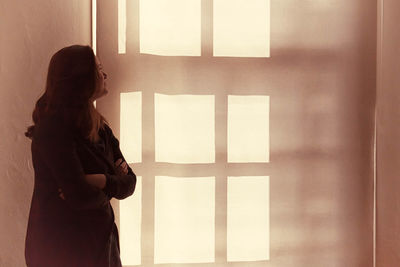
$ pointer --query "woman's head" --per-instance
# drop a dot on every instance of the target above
(74, 77)
(74, 80)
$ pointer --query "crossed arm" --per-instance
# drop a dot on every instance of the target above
(99, 180)
(82, 191)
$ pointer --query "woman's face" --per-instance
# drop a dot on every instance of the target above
(101, 88)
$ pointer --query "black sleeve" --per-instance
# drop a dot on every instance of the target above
(119, 186)
(57, 148)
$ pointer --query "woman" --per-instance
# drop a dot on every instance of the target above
(78, 168)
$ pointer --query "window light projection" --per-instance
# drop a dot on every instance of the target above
(170, 27)
(248, 128)
(241, 28)
(131, 126)
(94, 26)
(184, 226)
(248, 218)
(130, 214)
(121, 26)
(184, 128)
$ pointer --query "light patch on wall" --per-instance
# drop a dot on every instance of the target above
(170, 27)
(130, 210)
(241, 28)
(94, 31)
(248, 218)
(131, 126)
(121, 26)
(184, 220)
(184, 128)
(248, 128)
(94, 27)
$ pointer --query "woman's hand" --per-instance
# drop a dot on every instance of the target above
(121, 167)
(61, 194)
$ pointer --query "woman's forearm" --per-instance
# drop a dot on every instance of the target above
(97, 180)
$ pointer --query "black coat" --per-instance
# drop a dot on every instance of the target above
(80, 230)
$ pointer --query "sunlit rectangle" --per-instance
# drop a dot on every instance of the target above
(131, 126)
(184, 128)
(170, 27)
(248, 218)
(184, 220)
(130, 217)
(94, 26)
(241, 28)
(121, 26)
(248, 128)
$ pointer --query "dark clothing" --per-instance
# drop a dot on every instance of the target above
(80, 230)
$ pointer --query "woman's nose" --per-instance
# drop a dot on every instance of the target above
(105, 75)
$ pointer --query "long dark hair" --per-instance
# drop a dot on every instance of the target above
(71, 82)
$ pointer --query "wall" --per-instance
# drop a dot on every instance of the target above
(30, 33)
(388, 132)
(321, 79)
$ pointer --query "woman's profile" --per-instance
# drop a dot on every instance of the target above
(78, 168)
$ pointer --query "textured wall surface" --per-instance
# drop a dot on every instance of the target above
(321, 79)
(30, 33)
(388, 143)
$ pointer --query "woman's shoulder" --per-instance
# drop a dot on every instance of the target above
(110, 133)
(107, 129)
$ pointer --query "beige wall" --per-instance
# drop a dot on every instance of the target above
(321, 79)
(388, 133)
(30, 32)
